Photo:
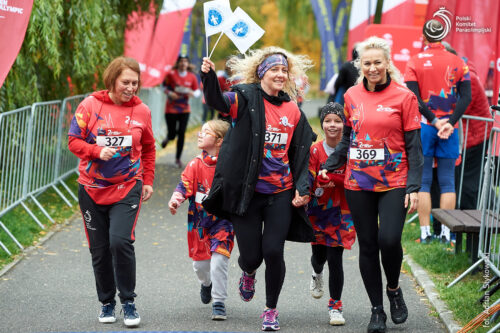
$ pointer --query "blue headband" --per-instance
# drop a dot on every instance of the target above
(269, 62)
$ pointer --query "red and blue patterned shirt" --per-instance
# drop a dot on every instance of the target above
(275, 175)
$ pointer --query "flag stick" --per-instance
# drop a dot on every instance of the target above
(206, 44)
(215, 45)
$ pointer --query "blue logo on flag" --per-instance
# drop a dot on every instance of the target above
(214, 17)
(240, 29)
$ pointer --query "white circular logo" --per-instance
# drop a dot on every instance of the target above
(498, 64)
(440, 34)
(319, 192)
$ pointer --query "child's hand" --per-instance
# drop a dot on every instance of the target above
(173, 205)
(175, 202)
(322, 174)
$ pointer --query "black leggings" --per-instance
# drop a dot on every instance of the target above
(379, 219)
(176, 126)
(273, 212)
(322, 253)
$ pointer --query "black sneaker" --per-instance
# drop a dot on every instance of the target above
(399, 312)
(164, 143)
(206, 294)
(377, 321)
(218, 311)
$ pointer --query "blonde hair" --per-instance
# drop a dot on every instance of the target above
(219, 127)
(378, 44)
(116, 67)
(245, 69)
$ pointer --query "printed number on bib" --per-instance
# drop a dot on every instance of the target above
(276, 138)
(367, 151)
(115, 137)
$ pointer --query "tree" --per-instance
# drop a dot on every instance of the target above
(67, 45)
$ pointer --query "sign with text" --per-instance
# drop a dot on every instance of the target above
(14, 19)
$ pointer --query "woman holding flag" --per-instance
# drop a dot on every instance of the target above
(261, 178)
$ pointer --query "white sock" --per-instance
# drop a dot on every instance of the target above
(423, 232)
(317, 274)
(445, 231)
(428, 229)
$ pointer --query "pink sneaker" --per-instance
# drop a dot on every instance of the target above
(270, 321)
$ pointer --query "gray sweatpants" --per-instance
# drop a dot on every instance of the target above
(213, 271)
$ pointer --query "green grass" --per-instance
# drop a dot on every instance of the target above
(25, 229)
(443, 266)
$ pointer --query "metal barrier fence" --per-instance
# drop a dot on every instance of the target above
(487, 123)
(34, 156)
(489, 205)
(14, 128)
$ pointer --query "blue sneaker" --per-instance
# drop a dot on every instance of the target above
(130, 316)
(247, 286)
(270, 321)
(218, 311)
(107, 314)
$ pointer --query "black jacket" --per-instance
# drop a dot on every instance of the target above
(240, 156)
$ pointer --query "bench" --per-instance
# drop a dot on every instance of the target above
(469, 222)
(460, 222)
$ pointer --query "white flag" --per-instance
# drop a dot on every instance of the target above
(217, 13)
(242, 30)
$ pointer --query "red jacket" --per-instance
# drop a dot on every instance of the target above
(478, 107)
(108, 182)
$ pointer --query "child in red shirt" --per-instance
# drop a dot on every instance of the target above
(210, 239)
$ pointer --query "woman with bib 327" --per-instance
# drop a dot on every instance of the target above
(111, 133)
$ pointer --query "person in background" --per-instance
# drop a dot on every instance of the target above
(347, 76)
(210, 239)
(441, 82)
(180, 85)
(329, 214)
(381, 144)
(112, 135)
(261, 179)
(477, 132)
(302, 85)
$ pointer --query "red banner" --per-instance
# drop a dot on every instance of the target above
(404, 12)
(140, 27)
(166, 42)
(472, 29)
(361, 16)
(14, 19)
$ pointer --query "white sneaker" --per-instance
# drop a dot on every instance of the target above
(336, 317)
(316, 286)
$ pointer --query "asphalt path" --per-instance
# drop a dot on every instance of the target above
(52, 288)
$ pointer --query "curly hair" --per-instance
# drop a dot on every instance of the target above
(245, 68)
(378, 44)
